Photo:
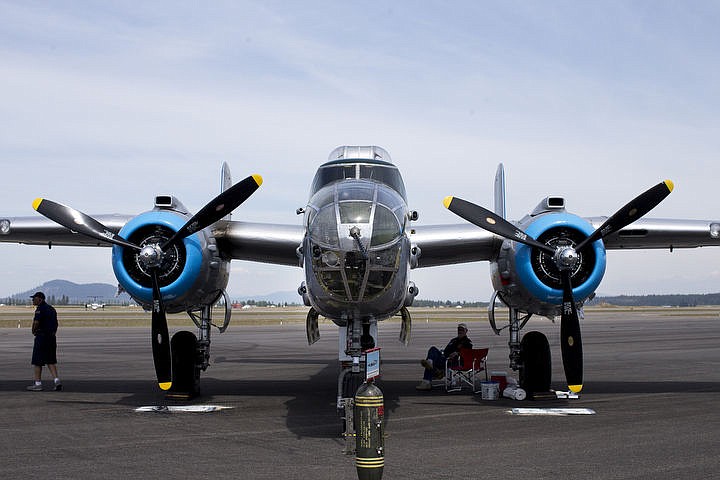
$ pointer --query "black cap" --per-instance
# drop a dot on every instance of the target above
(39, 294)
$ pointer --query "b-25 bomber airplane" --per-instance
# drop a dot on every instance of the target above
(357, 248)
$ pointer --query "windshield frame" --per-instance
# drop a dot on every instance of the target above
(373, 170)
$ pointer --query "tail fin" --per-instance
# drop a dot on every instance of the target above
(500, 191)
(225, 182)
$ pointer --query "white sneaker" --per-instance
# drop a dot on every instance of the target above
(424, 386)
(34, 388)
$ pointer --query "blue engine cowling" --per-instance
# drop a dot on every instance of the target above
(529, 280)
(191, 274)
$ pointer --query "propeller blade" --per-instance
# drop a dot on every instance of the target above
(638, 207)
(79, 222)
(220, 206)
(491, 222)
(571, 341)
(160, 338)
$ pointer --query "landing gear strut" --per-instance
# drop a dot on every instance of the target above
(191, 353)
(356, 338)
(531, 356)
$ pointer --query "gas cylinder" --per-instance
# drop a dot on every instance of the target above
(369, 440)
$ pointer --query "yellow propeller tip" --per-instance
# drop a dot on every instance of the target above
(165, 385)
(670, 185)
(36, 203)
(575, 388)
(258, 179)
(447, 201)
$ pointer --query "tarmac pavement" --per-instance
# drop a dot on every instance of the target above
(653, 380)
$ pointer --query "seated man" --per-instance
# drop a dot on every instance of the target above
(435, 362)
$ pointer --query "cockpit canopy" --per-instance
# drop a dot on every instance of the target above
(369, 163)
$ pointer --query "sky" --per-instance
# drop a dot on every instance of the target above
(105, 104)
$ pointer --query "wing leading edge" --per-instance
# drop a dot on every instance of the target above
(655, 233)
(42, 231)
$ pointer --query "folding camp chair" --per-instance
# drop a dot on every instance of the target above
(464, 374)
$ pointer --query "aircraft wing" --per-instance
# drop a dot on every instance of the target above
(439, 244)
(649, 233)
(260, 242)
(38, 230)
(449, 244)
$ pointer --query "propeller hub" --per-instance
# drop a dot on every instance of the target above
(150, 256)
(566, 258)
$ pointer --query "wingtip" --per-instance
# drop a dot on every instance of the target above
(670, 185)
(165, 385)
(447, 201)
(36, 203)
(575, 388)
(258, 179)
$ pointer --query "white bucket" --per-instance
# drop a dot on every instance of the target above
(489, 390)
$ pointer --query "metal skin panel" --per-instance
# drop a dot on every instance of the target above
(451, 244)
(260, 242)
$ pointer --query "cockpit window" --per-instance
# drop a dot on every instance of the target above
(324, 227)
(327, 175)
(382, 172)
(389, 175)
(385, 226)
(355, 212)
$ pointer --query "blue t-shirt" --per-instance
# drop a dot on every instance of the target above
(46, 316)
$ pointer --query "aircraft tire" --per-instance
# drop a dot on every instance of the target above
(184, 352)
(536, 372)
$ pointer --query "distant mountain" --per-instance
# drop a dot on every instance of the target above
(289, 297)
(63, 291)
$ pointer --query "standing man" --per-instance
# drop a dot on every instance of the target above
(44, 327)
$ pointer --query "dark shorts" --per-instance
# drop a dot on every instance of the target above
(44, 351)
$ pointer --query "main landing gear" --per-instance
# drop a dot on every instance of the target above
(190, 353)
(531, 355)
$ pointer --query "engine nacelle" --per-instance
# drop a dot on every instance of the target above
(191, 274)
(529, 279)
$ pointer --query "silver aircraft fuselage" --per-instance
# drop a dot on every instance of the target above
(356, 252)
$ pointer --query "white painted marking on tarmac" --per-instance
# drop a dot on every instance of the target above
(552, 411)
(181, 408)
